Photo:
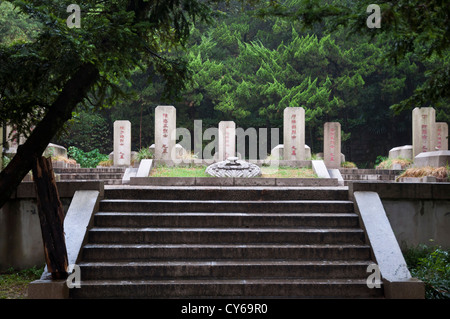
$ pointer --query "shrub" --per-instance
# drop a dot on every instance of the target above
(86, 159)
(6, 161)
(348, 165)
(107, 163)
(438, 172)
(432, 266)
(387, 163)
(86, 131)
(144, 153)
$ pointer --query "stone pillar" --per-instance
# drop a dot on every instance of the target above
(441, 136)
(332, 144)
(165, 132)
(294, 133)
(423, 130)
(122, 143)
(227, 140)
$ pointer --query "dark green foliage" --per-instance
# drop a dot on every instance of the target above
(407, 27)
(87, 131)
(248, 70)
(431, 265)
(116, 37)
(316, 54)
(86, 159)
(44, 80)
(144, 153)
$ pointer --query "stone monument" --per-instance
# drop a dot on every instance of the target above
(332, 144)
(423, 130)
(233, 167)
(294, 133)
(165, 132)
(122, 143)
(227, 140)
(441, 136)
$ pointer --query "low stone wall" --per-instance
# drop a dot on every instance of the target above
(20, 233)
(419, 213)
(231, 181)
(203, 162)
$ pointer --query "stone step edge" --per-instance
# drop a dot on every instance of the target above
(224, 263)
(239, 246)
(223, 229)
(232, 181)
(221, 214)
(259, 202)
(252, 281)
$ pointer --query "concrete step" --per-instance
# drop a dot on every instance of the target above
(180, 219)
(188, 242)
(118, 205)
(256, 288)
(368, 171)
(89, 176)
(117, 181)
(369, 177)
(136, 252)
(226, 269)
(226, 235)
(113, 181)
(227, 193)
(90, 170)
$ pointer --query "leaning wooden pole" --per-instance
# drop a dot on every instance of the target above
(51, 216)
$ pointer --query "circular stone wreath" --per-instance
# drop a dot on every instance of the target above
(233, 167)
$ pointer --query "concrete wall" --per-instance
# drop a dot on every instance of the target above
(419, 213)
(419, 221)
(20, 232)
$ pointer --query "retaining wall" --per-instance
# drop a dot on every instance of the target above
(419, 213)
(20, 231)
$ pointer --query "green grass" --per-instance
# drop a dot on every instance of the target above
(14, 283)
(288, 172)
(164, 171)
(199, 171)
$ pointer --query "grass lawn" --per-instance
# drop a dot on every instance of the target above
(267, 172)
(163, 171)
(14, 283)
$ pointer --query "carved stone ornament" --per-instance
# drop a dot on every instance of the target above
(233, 167)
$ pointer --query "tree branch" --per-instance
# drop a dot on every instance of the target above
(74, 91)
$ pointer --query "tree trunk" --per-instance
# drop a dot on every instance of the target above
(51, 217)
(74, 91)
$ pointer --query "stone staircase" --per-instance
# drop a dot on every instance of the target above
(187, 242)
(110, 175)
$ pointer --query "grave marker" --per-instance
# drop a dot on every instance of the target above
(165, 132)
(332, 144)
(424, 130)
(227, 140)
(294, 133)
(441, 136)
(122, 143)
